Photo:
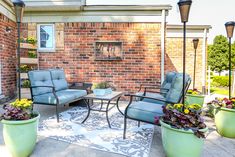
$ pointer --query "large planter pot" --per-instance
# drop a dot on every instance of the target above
(181, 143)
(225, 121)
(102, 92)
(20, 136)
(194, 99)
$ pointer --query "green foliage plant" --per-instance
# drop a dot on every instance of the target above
(218, 54)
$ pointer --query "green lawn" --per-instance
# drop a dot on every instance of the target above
(220, 90)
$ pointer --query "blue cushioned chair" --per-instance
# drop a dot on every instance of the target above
(49, 87)
(164, 89)
(148, 107)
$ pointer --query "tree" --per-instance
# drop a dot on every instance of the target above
(218, 54)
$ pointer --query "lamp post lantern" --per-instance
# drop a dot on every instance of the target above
(19, 11)
(195, 44)
(184, 7)
(229, 29)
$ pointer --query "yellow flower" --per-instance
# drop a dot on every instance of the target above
(186, 111)
(23, 103)
(194, 106)
(177, 106)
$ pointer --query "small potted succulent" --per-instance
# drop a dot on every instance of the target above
(224, 115)
(102, 88)
(183, 130)
(20, 125)
(194, 96)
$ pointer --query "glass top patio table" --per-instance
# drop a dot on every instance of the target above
(104, 99)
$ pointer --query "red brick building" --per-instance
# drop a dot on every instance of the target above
(128, 45)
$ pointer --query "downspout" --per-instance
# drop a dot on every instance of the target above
(204, 62)
(163, 28)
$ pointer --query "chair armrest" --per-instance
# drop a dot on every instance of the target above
(133, 95)
(148, 85)
(155, 92)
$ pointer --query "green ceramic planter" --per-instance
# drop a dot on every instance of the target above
(181, 143)
(194, 99)
(225, 122)
(20, 136)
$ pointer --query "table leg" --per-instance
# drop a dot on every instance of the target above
(101, 106)
(107, 116)
(89, 110)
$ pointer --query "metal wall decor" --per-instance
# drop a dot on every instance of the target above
(108, 50)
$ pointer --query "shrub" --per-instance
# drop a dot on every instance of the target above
(219, 81)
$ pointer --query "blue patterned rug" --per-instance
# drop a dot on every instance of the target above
(96, 134)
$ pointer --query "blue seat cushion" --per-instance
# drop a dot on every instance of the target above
(58, 79)
(40, 78)
(144, 111)
(154, 95)
(64, 96)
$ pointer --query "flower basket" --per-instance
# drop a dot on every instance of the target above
(20, 126)
(225, 121)
(102, 92)
(224, 115)
(194, 96)
(194, 99)
(188, 144)
(20, 136)
(183, 130)
(102, 88)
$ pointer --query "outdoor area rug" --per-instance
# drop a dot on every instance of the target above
(96, 134)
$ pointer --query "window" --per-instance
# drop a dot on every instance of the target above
(46, 38)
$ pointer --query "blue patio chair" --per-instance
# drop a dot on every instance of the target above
(150, 90)
(145, 111)
(49, 87)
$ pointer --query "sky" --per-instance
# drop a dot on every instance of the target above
(203, 12)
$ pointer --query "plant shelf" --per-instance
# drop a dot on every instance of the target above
(24, 75)
(28, 46)
(28, 60)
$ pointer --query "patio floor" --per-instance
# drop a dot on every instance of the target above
(215, 145)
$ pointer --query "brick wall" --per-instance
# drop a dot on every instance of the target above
(141, 51)
(174, 52)
(75, 53)
(8, 56)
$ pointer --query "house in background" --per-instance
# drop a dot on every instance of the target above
(149, 46)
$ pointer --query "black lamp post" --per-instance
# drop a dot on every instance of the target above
(184, 7)
(19, 10)
(195, 44)
(229, 29)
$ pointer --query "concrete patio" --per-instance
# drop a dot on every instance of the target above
(215, 145)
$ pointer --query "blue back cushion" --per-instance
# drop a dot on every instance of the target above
(40, 78)
(58, 79)
(175, 92)
(168, 81)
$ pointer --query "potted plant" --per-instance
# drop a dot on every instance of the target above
(194, 96)
(183, 130)
(224, 115)
(20, 125)
(25, 68)
(102, 88)
(31, 40)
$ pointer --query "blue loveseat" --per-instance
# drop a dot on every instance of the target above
(49, 87)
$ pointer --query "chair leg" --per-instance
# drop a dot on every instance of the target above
(57, 114)
(124, 131)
